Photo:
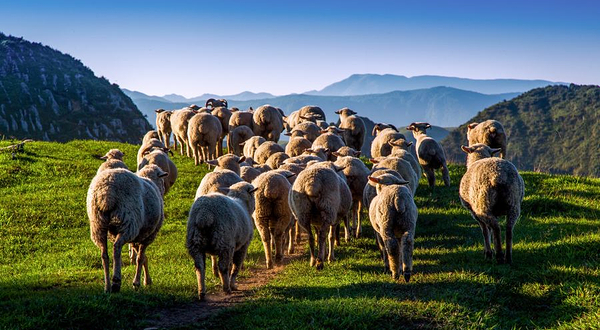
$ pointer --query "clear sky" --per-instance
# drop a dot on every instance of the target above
(281, 47)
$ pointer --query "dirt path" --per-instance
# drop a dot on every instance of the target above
(197, 311)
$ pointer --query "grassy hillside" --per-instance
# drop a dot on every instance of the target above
(553, 129)
(51, 277)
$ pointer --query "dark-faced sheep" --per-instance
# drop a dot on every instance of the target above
(492, 187)
(430, 153)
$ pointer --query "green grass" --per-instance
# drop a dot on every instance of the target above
(50, 271)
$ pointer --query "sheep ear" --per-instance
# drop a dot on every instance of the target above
(242, 159)
(472, 125)
(496, 150)
(223, 190)
(402, 182)
(290, 175)
(159, 110)
(394, 127)
(373, 179)
(338, 168)
(411, 127)
(373, 160)
(408, 144)
(356, 153)
(242, 143)
(163, 174)
(337, 154)
(103, 157)
(166, 150)
(288, 133)
(337, 112)
(428, 126)
(466, 149)
(251, 191)
(323, 131)
(212, 162)
(325, 150)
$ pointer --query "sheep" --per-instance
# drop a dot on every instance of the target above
(346, 151)
(370, 191)
(315, 202)
(267, 122)
(302, 159)
(320, 152)
(272, 215)
(401, 149)
(276, 160)
(265, 150)
(204, 131)
(297, 144)
(230, 162)
(290, 122)
(393, 214)
(236, 137)
(150, 143)
(223, 114)
(125, 208)
(330, 140)
(249, 173)
(179, 125)
(241, 118)
(293, 168)
(214, 103)
(490, 132)
(222, 227)
(311, 112)
(430, 153)
(113, 159)
(214, 181)
(251, 145)
(163, 125)
(356, 175)
(401, 166)
(492, 187)
(150, 135)
(159, 157)
(323, 125)
(309, 130)
(354, 128)
(384, 133)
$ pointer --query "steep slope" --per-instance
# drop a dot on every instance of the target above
(48, 95)
(554, 129)
(362, 84)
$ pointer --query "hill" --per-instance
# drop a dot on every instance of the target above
(441, 106)
(553, 129)
(362, 84)
(51, 272)
(48, 95)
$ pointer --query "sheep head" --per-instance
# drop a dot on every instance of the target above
(421, 127)
(479, 151)
(113, 154)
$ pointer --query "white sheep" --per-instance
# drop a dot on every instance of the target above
(179, 124)
(251, 145)
(268, 122)
(354, 128)
(393, 214)
(346, 151)
(223, 114)
(163, 126)
(150, 135)
(370, 191)
(222, 227)
(272, 215)
(492, 187)
(401, 149)
(276, 160)
(229, 162)
(236, 137)
(214, 181)
(489, 132)
(204, 131)
(160, 158)
(150, 143)
(331, 140)
(265, 150)
(310, 130)
(356, 176)
(113, 159)
(297, 144)
(401, 166)
(384, 133)
(125, 208)
(430, 153)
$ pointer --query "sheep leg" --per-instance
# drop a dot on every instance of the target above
(331, 255)
(139, 264)
(265, 236)
(393, 253)
(200, 265)
(196, 153)
(298, 232)
(188, 148)
(485, 231)
(430, 176)
(278, 237)
(381, 245)
(238, 260)
(215, 265)
(337, 234)
(311, 246)
(495, 227)
(445, 174)
(132, 253)
(225, 260)
(347, 228)
(357, 224)
(322, 237)
(291, 235)
(147, 279)
(511, 219)
(105, 263)
(407, 255)
(117, 247)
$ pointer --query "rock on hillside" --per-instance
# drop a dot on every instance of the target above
(48, 95)
(553, 129)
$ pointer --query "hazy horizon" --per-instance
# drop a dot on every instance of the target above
(191, 48)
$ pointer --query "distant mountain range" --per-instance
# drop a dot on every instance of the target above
(441, 106)
(176, 98)
(363, 84)
(48, 95)
(553, 129)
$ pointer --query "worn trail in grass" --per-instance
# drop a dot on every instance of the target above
(50, 271)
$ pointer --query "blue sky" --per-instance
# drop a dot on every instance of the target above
(281, 47)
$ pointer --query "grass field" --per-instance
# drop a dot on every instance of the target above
(51, 277)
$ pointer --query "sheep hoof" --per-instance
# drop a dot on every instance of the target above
(395, 276)
(116, 287)
(202, 296)
(406, 277)
(319, 265)
(312, 262)
(269, 265)
(330, 260)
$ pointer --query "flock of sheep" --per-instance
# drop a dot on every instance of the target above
(315, 183)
